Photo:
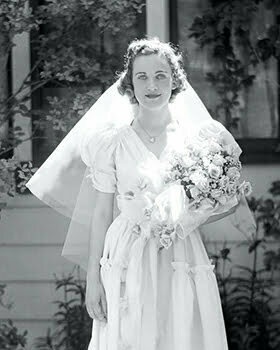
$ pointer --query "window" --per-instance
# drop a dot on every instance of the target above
(256, 116)
(106, 49)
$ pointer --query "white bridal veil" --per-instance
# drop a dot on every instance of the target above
(61, 182)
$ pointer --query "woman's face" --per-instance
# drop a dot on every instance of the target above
(152, 81)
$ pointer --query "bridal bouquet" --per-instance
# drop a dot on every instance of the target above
(209, 170)
(201, 180)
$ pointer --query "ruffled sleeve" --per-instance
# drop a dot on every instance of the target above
(98, 153)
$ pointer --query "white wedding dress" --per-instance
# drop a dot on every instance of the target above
(164, 299)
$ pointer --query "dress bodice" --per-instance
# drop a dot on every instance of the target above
(119, 160)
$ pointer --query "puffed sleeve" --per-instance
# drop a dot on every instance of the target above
(98, 153)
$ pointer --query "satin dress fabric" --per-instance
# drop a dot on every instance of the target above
(165, 299)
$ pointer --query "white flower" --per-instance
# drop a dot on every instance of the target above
(206, 161)
(246, 188)
(218, 160)
(197, 177)
(200, 180)
(223, 182)
(233, 173)
(195, 149)
(188, 161)
(231, 189)
(214, 171)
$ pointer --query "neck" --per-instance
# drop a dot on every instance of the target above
(154, 120)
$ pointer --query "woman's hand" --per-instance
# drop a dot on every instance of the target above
(96, 303)
(102, 218)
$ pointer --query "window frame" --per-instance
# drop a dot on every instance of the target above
(255, 150)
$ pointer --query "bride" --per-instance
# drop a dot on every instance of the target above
(140, 295)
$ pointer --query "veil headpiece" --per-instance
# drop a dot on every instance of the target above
(61, 182)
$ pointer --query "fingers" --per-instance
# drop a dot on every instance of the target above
(96, 312)
(104, 305)
(90, 311)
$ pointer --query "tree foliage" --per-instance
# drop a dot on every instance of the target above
(225, 28)
(76, 49)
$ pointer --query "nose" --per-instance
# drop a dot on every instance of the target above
(152, 86)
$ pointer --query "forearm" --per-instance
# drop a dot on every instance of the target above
(96, 243)
(102, 219)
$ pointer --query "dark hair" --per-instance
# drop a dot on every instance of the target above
(143, 47)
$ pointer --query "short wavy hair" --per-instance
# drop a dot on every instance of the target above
(143, 47)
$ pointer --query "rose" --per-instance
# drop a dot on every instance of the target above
(223, 182)
(200, 180)
(204, 185)
(233, 173)
(194, 168)
(195, 149)
(188, 161)
(246, 188)
(231, 189)
(206, 161)
(214, 171)
(218, 160)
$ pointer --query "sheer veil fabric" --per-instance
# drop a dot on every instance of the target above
(61, 182)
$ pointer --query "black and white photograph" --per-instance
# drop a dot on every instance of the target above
(139, 175)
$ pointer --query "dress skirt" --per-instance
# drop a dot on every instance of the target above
(157, 299)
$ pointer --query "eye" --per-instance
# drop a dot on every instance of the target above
(161, 76)
(142, 77)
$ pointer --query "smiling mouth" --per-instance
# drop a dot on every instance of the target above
(152, 96)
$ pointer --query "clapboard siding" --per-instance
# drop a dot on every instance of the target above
(43, 262)
(33, 300)
(31, 240)
(32, 225)
(27, 262)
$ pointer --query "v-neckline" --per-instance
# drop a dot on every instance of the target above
(146, 149)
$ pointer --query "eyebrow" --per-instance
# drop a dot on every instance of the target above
(158, 71)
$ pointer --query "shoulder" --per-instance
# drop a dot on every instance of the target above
(103, 142)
